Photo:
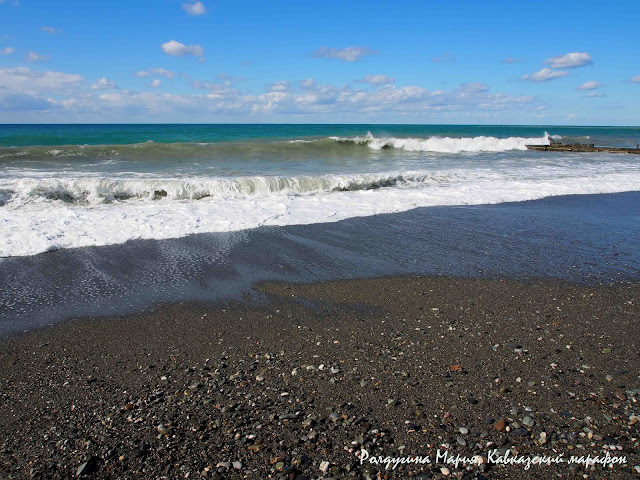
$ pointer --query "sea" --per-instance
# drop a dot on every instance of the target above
(71, 186)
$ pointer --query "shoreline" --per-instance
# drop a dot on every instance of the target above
(397, 366)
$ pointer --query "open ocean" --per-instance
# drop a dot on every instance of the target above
(66, 186)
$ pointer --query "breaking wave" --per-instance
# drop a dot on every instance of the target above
(105, 190)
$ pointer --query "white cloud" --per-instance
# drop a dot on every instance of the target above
(281, 86)
(223, 102)
(377, 79)
(572, 116)
(308, 83)
(635, 79)
(7, 51)
(103, 84)
(176, 48)
(544, 75)
(195, 8)
(444, 58)
(511, 60)
(156, 83)
(24, 79)
(590, 85)
(34, 57)
(570, 60)
(349, 54)
(50, 30)
(596, 94)
(161, 72)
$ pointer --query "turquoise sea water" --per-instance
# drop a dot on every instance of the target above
(65, 186)
(26, 135)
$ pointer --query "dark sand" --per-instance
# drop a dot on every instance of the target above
(408, 361)
(522, 335)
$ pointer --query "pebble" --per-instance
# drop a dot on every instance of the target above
(528, 421)
(463, 430)
(543, 438)
(237, 465)
(461, 441)
(163, 429)
(324, 466)
(500, 425)
(445, 471)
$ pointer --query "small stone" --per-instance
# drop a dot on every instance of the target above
(609, 378)
(463, 430)
(223, 465)
(445, 471)
(237, 465)
(500, 425)
(520, 432)
(324, 466)
(528, 421)
(288, 416)
(633, 419)
(163, 429)
(461, 441)
(89, 467)
(543, 438)
(260, 378)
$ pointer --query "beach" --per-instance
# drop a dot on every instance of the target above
(492, 334)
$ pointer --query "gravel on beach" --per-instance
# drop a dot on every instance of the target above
(327, 380)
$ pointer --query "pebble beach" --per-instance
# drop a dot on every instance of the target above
(397, 367)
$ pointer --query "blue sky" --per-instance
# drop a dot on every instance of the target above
(490, 62)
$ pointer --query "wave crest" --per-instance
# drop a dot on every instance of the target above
(446, 144)
(105, 190)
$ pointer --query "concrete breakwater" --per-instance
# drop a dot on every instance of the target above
(580, 147)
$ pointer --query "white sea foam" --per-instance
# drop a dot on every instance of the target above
(38, 223)
(446, 144)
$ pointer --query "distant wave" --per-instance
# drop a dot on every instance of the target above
(152, 151)
(446, 144)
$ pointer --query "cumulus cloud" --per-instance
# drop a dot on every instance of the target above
(179, 49)
(50, 30)
(570, 60)
(308, 83)
(444, 58)
(24, 79)
(160, 72)
(590, 85)
(34, 57)
(545, 74)
(635, 79)
(511, 60)
(349, 54)
(58, 93)
(103, 84)
(194, 8)
(377, 80)
(7, 51)
(281, 86)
